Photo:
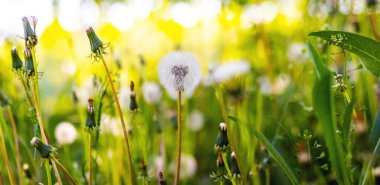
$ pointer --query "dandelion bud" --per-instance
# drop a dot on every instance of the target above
(95, 43)
(371, 3)
(222, 143)
(29, 32)
(29, 65)
(45, 150)
(143, 171)
(133, 103)
(221, 172)
(27, 171)
(90, 121)
(161, 179)
(234, 167)
(16, 60)
(3, 100)
(179, 71)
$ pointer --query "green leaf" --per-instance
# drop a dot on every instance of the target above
(375, 131)
(276, 156)
(367, 49)
(324, 105)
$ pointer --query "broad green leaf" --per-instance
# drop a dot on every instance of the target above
(367, 49)
(375, 130)
(276, 156)
(324, 105)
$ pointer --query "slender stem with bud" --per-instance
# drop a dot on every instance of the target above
(26, 90)
(4, 154)
(224, 154)
(179, 137)
(15, 135)
(121, 118)
(42, 129)
(90, 159)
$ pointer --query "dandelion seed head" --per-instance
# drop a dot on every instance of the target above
(179, 71)
(229, 70)
(195, 120)
(65, 133)
(151, 92)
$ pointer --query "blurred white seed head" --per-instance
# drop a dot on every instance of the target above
(223, 126)
(281, 83)
(265, 85)
(124, 97)
(195, 120)
(110, 125)
(173, 94)
(151, 92)
(188, 166)
(297, 52)
(179, 71)
(229, 70)
(65, 133)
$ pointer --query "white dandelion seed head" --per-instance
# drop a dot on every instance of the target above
(179, 71)
(65, 133)
(110, 125)
(196, 120)
(223, 126)
(229, 70)
(297, 52)
(88, 90)
(265, 85)
(151, 92)
(188, 166)
(124, 97)
(281, 83)
(173, 94)
(158, 165)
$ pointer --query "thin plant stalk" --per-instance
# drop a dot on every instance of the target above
(121, 118)
(26, 91)
(15, 135)
(42, 129)
(371, 162)
(90, 160)
(67, 174)
(224, 154)
(179, 137)
(5, 155)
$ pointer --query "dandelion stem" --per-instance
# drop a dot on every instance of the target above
(15, 135)
(228, 168)
(42, 129)
(90, 159)
(48, 174)
(67, 174)
(5, 155)
(26, 91)
(121, 118)
(371, 162)
(179, 138)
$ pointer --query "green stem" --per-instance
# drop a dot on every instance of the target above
(42, 129)
(4, 154)
(121, 118)
(48, 173)
(179, 137)
(15, 135)
(90, 159)
(224, 154)
(372, 162)
(67, 174)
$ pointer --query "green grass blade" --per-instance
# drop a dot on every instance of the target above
(367, 49)
(276, 156)
(324, 105)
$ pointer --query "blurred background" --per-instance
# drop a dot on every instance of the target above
(273, 86)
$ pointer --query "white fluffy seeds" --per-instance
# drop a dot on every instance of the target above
(65, 133)
(179, 71)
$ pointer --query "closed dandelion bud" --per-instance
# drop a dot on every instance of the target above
(95, 43)
(29, 66)
(161, 179)
(222, 143)
(16, 60)
(3, 100)
(221, 172)
(234, 167)
(133, 103)
(27, 171)
(143, 171)
(45, 150)
(29, 32)
(90, 121)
